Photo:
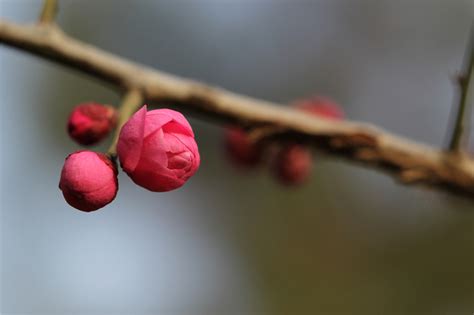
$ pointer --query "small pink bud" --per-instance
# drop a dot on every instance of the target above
(321, 107)
(91, 122)
(293, 164)
(88, 180)
(157, 149)
(241, 150)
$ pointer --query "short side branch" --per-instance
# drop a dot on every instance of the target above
(461, 127)
(405, 160)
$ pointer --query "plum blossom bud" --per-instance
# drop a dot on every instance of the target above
(292, 165)
(157, 149)
(293, 162)
(88, 180)
(321, 106)
(241, 150)
(91, 122)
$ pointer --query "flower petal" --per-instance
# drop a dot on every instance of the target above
(175, 116)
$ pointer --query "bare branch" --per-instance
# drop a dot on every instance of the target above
(461, 128)
(407, 161)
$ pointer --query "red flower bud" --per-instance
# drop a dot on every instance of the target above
(241, 150)
(91, 122)
(321, 107)
(88, 180)
(293, 162)
(292, 165)
(157, 149)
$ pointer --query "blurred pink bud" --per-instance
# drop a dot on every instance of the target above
(293, 164)
(321, 107)
(88, 180)
(157, 149)
(91, 122)
(241, 150)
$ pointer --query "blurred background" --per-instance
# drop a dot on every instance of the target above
(351, 241)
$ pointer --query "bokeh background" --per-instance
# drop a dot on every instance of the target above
(351, 241)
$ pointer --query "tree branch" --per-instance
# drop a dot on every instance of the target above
(461, 127)
(405, 160)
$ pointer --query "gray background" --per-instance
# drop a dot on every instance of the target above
(230, 242)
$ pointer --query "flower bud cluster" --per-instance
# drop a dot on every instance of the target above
(291, 163)
(155, 148)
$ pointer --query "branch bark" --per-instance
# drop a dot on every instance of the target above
(407, 161)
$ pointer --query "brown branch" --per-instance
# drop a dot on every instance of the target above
(405, 160)
(461, 127)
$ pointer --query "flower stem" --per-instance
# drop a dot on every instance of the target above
(132, 100)
(48, 13)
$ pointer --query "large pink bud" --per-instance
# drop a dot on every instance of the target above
(157, 149)
(91, 122)
(88, 180)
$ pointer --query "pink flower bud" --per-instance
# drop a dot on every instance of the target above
(157, 149)
(293, 164)
(91, 122)
(88, 180)
(241, 150)
(321, 107)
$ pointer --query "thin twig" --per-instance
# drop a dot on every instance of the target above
(132, 100)
(406, 160)
(48, 12)
(461, 127)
